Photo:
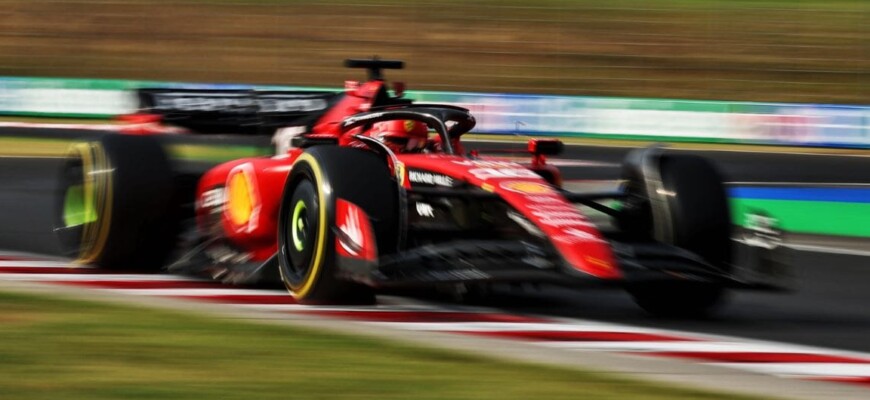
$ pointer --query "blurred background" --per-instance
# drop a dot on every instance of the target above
(815, 51)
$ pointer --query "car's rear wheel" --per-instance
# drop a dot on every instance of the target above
(115, 203)
(307, 245)
(682, 202)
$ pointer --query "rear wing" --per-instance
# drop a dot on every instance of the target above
(235, 111)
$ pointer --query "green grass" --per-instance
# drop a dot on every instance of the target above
(770, 50)
(60, 349)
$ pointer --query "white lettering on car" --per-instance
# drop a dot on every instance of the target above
(489, 173)
(430, 178)
(425, 210)
(213, 198)
(488, 164)
(571, 235)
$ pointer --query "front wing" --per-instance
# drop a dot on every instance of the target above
(493, 261)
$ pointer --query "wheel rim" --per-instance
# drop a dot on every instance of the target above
(79, 206)
(300, 226)
(300, 238)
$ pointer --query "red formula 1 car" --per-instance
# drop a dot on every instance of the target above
(344, 212)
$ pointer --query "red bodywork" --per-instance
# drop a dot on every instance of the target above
(578, 242)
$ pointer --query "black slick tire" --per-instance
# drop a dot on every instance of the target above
(306, 240)
(695, 216)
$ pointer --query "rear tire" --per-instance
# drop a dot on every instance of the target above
(306, 241)
(116, 205)
(692, 213)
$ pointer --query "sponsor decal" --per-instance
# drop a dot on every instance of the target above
(571, 214)
(282, 105)
(503, 173)
(243, 198)
(229, 103)
(553, 207)
(486, 169)
(425, 210)
(487, 164)
(354, 119)
(429, 178)
(552, 210)
(545, 199)
(571, 236)
(762, 230)
(526, 187)
(573, 220)
(214, 199)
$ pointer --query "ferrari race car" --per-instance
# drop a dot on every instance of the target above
(340, 215)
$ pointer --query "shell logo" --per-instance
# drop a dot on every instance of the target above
(525, 187)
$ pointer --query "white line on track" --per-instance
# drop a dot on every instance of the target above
(687, 346)
(804, 369)
(48, 278)
(95, 127)
(198, 292)
(580, 326)
(824, 249)
(376, 308)
(39, 264)
(830, 249)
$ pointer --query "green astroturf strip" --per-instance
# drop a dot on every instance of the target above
(813, 217)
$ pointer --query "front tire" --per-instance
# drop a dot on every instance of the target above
(686, 206)
(306, 241)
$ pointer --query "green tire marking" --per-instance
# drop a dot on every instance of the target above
(76, 211)
(297, 212)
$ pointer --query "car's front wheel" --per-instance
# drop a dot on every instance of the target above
(679, 200)
(307, 244)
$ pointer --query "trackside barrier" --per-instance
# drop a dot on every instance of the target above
(790, 124)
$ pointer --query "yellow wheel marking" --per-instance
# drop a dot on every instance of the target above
(313, 274)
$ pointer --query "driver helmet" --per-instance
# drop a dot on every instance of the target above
(402, 136)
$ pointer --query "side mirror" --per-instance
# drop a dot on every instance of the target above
(546, 147)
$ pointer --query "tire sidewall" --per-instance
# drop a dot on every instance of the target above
(354, 175)
(304, 283)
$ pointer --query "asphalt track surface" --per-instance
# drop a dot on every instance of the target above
(828, 309)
